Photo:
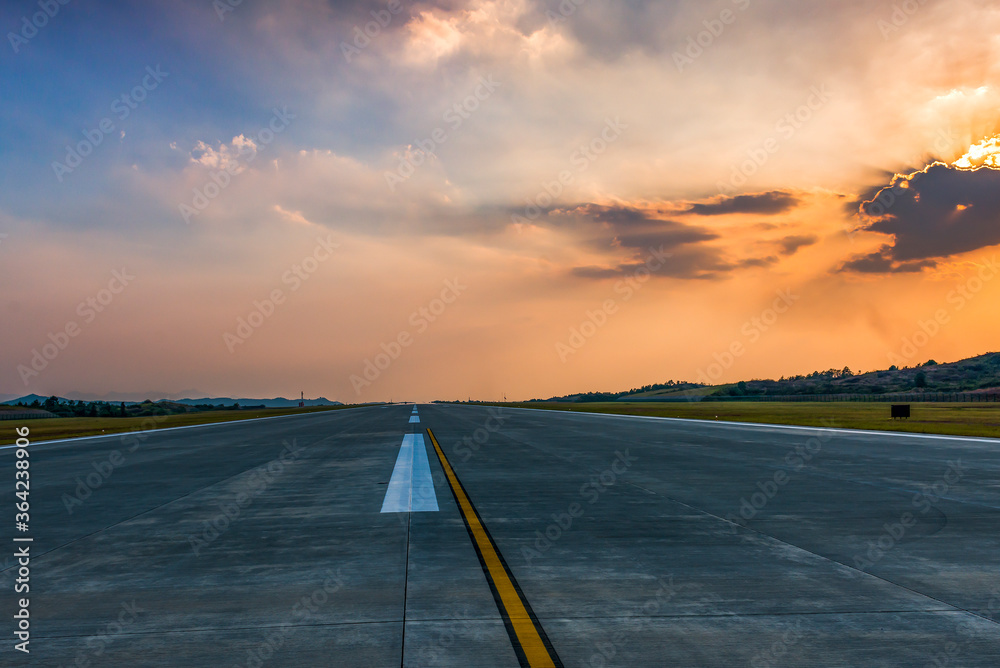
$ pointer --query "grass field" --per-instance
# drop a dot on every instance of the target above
(48, 429)
(966, 419)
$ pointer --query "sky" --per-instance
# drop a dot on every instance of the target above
(388, 200)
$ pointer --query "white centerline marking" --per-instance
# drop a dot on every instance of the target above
(414, 418)
(411, 488)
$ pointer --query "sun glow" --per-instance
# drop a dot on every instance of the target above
(984, 154)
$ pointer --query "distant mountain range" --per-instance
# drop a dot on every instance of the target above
(278, 402)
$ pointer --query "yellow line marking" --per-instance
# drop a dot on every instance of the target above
(524, 627)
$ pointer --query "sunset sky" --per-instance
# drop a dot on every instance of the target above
(488, 197)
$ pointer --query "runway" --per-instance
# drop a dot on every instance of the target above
(530, 538)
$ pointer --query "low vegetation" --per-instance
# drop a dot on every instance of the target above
(104, 409)
(47, 429)
(974, 419)
(977, 375)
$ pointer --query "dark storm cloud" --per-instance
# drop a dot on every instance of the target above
(881, 262)
(766, 204)
(791, 245)
(666, 248)
(633, 228)
(943, 211)
(689, 264)
(686, 263)
(756, 262)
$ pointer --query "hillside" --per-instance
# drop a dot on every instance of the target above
(976, 374)
(645, 390)
(969, 375)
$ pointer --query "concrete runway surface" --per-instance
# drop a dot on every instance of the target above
(558, 539)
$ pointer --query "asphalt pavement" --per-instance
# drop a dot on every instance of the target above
(628, 541)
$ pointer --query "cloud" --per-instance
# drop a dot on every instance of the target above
(689, 264)
(608, 29)
(227, 157)
(937, 212)
(790, 245)
(294, 217)
(703, 264)
(642, 237)
(767, 204)
(634, 228)
(756, 262)
(881, 262)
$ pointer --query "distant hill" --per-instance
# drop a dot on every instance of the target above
(976, 374)
(278, 402)
(28, 398)
(646, 390)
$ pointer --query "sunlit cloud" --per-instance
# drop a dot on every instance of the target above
(984, 154)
